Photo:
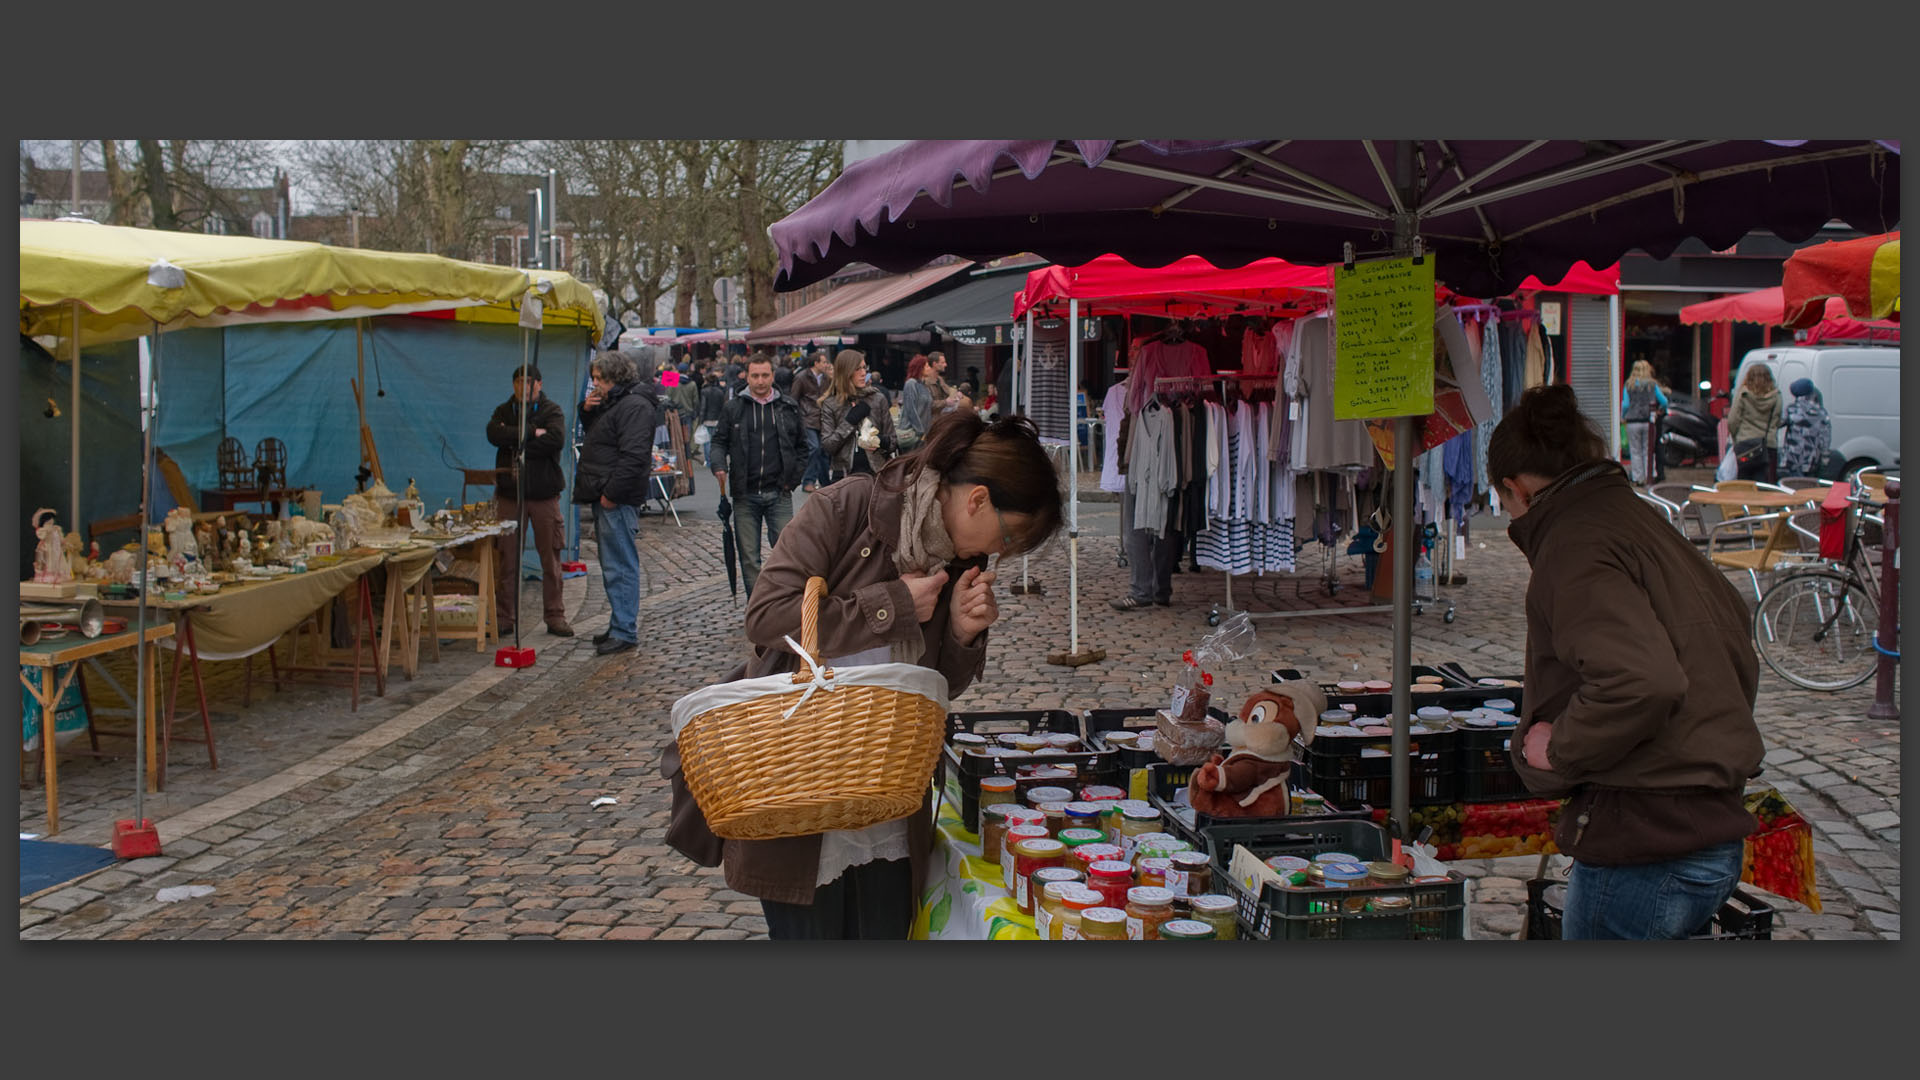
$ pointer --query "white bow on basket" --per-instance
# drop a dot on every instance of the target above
(766, 760)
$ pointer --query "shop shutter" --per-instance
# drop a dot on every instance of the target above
(1588, 347)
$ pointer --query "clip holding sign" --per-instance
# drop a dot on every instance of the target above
(1419, 251)
(1346, 254)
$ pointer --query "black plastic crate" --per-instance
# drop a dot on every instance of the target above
(1098, 722)
(1096, 766)
(1165, 781)
(1339, 768)
(1456, 692)
(1456, 672)
(1486, 766)
(1282, 914)
(1744, 917)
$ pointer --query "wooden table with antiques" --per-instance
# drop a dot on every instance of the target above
(49, 655)
(409, 612)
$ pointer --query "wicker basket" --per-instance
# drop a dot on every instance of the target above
(854, 757)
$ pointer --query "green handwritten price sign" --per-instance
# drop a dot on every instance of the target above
(1383, 339)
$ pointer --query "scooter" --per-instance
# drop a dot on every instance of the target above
(1689, 433)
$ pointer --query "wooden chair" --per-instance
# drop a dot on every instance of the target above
(270, 464)
(235, 473)
(1777, 542)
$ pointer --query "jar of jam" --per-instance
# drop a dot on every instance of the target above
(993, 829)
(1147, 908)
(1186, 930)
(1344, 875)
(1309, 802)
(1217, 911)
(1121, 738)
(1063, 742)
(1075, 838)
(1387, 873)
(1111, 879)
(1056, 813)
(1189, 873)
(1009, 739)
(1152, 872)
(996, 789)
(1326, 857)
(1049, 914)
(1034, 854)
(966, 742)
(1044, 878)
(1101, 793)
(1085, 855)
(1016, 834)
(1137, 822)
(1083, 815)
(1074, 904)
(1103, 924)
(1114, 812)
(1030, 743)
(1046, 793)
(1158, 846)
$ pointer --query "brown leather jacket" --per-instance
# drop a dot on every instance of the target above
(1639, 654)
(846, 533)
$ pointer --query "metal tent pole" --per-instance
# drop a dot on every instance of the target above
(73, 424)
(140, 718)
(1405, 233)
(1613, 382)
(1073, 478)
(1018, 405)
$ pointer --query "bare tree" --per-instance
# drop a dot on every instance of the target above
(767, 180)
(443, 196)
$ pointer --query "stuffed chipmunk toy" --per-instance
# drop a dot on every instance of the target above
(1251, 780)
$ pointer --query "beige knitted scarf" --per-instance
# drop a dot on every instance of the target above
(924, 543)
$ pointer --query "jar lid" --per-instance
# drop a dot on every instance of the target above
(1432, 713)
(1135, 804)
(1341, 871)
(1185, 930)
(1350, 685)
(1490, 682)
(1378, 686)
(1077, 837)
(968, 738)
(1040, 795)
(1500, 704)
(1008, 739)
(1212, 903)
(1057, 806)
(1334, 716)
(996, 783)
(1140, 813)
(1155, 865)
(1093, 853)
(1082, 809)
(1481, 720)
(1150, 894)
(1062, 739)
(1120, 738)
(1185, 859)
(1326, 857)
(1053, 772)
(1079, 898)
(1024, 815)
(1110, 868)
(1041, 847)
(1312, 798)
(1103, 915)
(1001, 810)
(1388, 870)
(1056, 873)
(1101, 793)
(1428, 679)
(1057, 889)
(1284, 863)
(1018, 833)
(1029, 742)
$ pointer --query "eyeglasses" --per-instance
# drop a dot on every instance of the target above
(1006, 538)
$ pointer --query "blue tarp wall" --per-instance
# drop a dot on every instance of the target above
(442, 379)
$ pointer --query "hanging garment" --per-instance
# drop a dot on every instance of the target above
(1226, 543)
(1294, 387)
(1112, 410)
(1258, 355)
(1513, 368)
(1490, 381)
(1152, 468)
(1158, 359)
(1457, 461)
(1330, 443)
(1051, 408)
(1536, 357)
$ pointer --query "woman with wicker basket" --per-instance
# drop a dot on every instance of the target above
(886, 570)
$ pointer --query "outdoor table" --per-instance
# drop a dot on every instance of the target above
(661, 479)
(486, 627)
(964, 899)
(1769, 500)
(48, 655)
(248, 617)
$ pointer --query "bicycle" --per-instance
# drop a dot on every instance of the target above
(1817, 626)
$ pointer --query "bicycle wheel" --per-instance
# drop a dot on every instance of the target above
(1816, 630)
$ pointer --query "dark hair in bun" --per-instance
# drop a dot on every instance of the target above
(1544, 434)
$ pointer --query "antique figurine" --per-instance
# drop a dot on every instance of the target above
(50, 565)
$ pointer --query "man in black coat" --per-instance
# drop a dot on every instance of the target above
(543, 432)
(620, 413)
(759, 446)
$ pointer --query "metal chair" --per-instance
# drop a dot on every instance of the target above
(1667, 509)
(1802, 483)
(1674, 493)
(1780, 541)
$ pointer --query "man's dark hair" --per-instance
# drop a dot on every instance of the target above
(528, 370)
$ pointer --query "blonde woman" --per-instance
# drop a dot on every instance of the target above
(1754, 423)
(1638, 398)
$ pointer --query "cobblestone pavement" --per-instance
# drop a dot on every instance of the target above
(461, 805)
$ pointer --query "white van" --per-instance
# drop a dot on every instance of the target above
(1860, 386)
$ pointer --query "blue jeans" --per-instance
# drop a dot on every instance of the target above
(1672, 899)
(816, 459)
(619, 568)
(770, 508)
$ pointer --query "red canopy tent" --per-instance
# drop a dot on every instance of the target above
(1768, 307)
(1184, 287)
(1580, 278)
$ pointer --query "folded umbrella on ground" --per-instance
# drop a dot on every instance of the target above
(725, 512)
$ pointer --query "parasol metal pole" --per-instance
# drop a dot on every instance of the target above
(73, 409)
(1075, 656)
(138, 837)
(516, 656)
(1020, 404)
(1613, 382)
(1406, 237)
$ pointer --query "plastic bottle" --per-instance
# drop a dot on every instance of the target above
(1423, 577)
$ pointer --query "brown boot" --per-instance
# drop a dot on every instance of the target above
(559, 628)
